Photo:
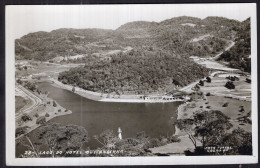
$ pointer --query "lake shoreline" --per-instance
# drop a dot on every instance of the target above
(41, 110)
(105, 97)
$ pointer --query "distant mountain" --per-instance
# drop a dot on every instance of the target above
(175, 36)
(61, 42)
(137, 25)
(239, 56)
(158, 57)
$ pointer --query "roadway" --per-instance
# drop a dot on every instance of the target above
(213, 59)
(36, 101)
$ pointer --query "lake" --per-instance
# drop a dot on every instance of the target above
(156, 119)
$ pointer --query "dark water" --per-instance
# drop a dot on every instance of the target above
(156, 119)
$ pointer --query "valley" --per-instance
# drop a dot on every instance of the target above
(182, 65)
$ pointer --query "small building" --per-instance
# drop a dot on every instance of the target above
(159, 98)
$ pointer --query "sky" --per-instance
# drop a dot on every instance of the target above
(23, 19)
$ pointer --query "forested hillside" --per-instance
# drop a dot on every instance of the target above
(141, 56)
(62, 42)
(239, 56)
(138, 71)
(175, 36)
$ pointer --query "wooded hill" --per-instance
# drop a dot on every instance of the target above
(239, 56)
(173, 35)
(159, 58)
(138, 71)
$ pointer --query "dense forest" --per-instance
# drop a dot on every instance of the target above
(174, 35)
(239, 56)
(62, 42)
(135, 71)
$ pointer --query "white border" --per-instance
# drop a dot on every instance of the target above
(172, 160)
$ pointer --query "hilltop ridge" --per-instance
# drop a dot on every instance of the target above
(172, 35)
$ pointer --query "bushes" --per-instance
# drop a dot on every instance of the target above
(20, 131)
(208, 79)
(36, 115)
(248, 80)
(201, 83)
(174, 138)
(232, 78)
(208, 94)
(54, 104)
(230, 85)
(26, 117)
(41, 120)
(29, 85)
(19, 81)
(47, 115)
(38, 91)
(225, 104)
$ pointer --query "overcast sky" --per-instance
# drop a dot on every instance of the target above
(26, 19)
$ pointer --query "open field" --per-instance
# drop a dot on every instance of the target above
(217, 87)
(20, 102)
(215, 65)
(176, 148)
(46, 69)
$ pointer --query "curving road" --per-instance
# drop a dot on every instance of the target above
(188, 87)
(217, 56)
(36, 101)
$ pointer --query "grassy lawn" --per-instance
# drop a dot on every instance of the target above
(232, 110)
(44, 68)
(20, 102)
(216, 103)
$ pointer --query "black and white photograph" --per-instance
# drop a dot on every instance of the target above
(131, 84)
